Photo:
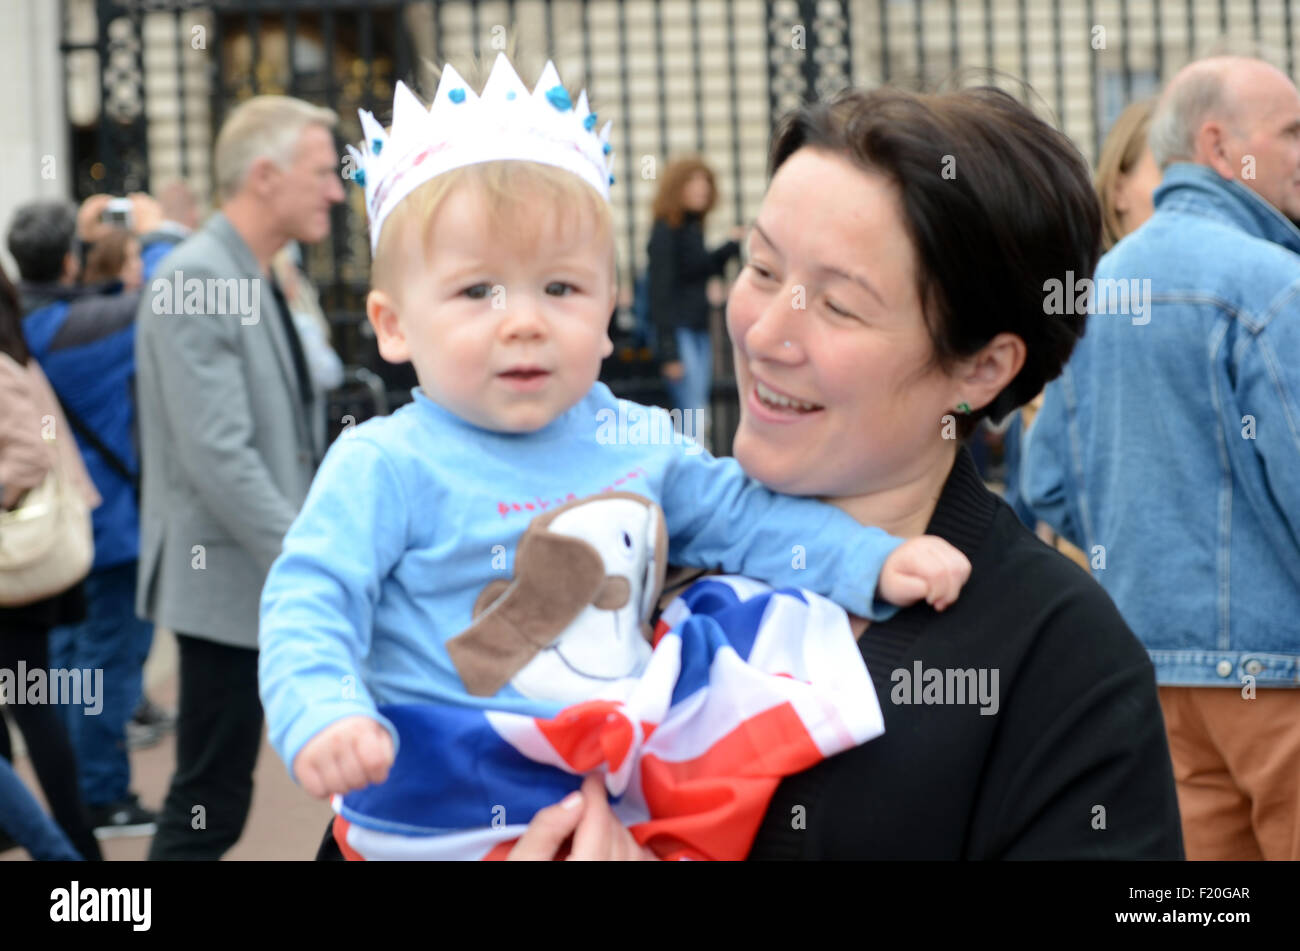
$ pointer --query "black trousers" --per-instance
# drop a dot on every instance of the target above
(45, 734)
(329, 850)
(218, 736)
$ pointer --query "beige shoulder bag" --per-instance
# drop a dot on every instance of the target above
(46, 542)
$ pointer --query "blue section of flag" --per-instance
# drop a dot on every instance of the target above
(454, 772)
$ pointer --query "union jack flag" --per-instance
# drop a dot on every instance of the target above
(745, 685)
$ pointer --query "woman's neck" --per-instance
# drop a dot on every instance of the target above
(905, 508)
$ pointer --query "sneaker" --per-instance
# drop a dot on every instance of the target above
(123, 819)
(149, 713)
(141, 736)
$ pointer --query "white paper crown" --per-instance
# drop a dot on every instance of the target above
(505, 121)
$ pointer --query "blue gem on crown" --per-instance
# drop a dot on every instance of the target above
(559, 97)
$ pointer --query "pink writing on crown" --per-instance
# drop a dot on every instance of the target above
(399, 171)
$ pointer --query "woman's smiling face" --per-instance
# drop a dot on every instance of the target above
(832, 271)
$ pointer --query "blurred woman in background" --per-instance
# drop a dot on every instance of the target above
(1127, 174)
(680, 269)
(115, 256)
(28, 408)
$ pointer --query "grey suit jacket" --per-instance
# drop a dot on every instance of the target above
(228, 451)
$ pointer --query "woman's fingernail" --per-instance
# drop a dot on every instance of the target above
(572, 800)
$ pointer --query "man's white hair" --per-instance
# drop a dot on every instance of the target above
(1204, 89)
(1199, 94)
(262, 127)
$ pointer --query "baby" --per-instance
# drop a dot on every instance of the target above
(493, 274)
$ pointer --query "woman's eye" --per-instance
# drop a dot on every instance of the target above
(760, 272)
(559, 288)
(477, 291)
(840, 312)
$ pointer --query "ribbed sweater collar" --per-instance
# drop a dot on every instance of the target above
(963, 516)
(966, 507)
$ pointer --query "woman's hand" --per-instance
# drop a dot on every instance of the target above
(146, 213)
(90, 227)
(585, 815)
(716, 291)
(673, 370)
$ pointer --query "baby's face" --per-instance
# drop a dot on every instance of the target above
(506, 338)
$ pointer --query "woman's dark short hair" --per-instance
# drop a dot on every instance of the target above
(40, 236)
(997, 202)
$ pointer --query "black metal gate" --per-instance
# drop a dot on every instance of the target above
(149, 81)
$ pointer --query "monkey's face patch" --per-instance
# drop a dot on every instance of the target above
(587, 576)
(606, 641)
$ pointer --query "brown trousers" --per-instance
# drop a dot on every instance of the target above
(1237, 767)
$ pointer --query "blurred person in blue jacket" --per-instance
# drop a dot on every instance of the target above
(1169, 450)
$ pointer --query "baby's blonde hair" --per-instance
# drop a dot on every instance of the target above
(527, 203)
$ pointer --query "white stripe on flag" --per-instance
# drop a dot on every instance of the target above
(375, 846)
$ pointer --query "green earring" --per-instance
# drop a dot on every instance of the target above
(963, 408)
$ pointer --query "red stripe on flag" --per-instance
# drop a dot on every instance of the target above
(500, 851)
(589, 734)
(710, 807)
(341, 827)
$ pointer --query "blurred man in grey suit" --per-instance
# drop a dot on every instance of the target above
(225, 408)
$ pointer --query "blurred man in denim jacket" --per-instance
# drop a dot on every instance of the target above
(1170, 449)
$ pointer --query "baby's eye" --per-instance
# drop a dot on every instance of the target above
(760, 272)
(559, 288)
(478, 291)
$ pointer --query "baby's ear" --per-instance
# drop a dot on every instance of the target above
(389, 336)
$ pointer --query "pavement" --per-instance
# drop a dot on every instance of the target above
(284, 823)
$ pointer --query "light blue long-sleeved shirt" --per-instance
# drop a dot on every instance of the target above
(401, 528)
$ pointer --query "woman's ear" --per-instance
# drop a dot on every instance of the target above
(988, 372)
(1119, 195)
(389, 335)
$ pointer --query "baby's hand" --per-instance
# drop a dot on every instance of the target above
(926, 567)
(350, 754)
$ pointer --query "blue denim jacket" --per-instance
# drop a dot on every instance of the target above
(1169, 449)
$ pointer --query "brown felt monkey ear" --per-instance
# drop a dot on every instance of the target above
(556, 576)
(491, 591)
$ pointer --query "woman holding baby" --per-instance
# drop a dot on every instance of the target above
(1022, 722)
